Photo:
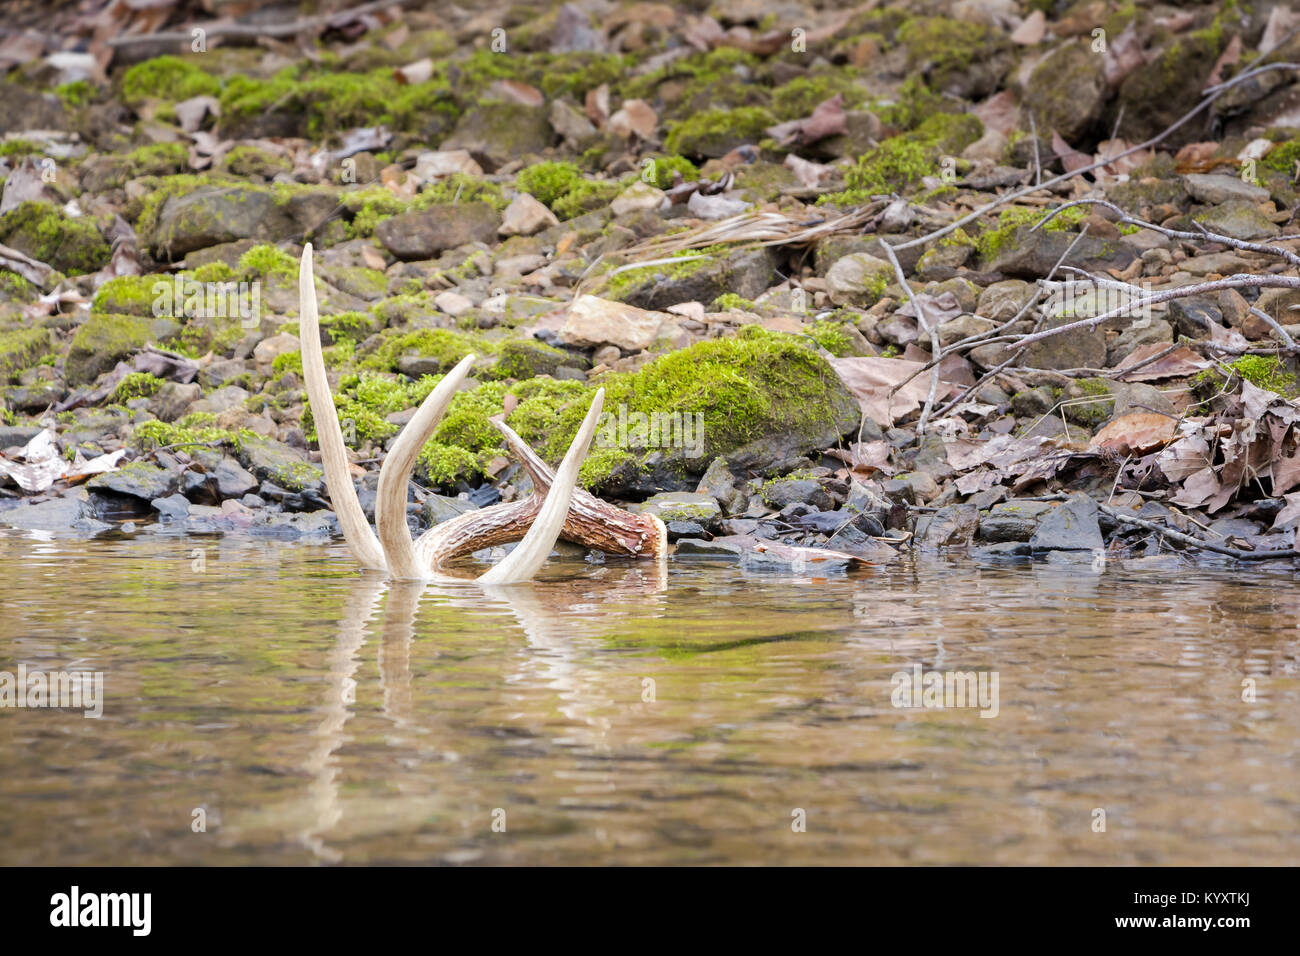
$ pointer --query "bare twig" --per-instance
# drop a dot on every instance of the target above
(936, 351)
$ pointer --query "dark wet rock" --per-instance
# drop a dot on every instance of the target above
(1005, 550)
(684, 529)
(1012, 520)
(35, 398)
(171, 507)
(953, 526)
(16, 436)
(232, 479)
(719, 549)
(74, 512)
(786, 491)
(439, 508)
(1071, 526)
(1193, 317)
(779, 563)
(720, 484)
(424, 234)
(136, 479)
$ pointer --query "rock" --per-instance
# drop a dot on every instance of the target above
(137, 479)
(453, 303)
(1032, 255)
(1003, 300)
(427, 232)
(1238, 220)
(1214, 189)
(574, 127)
(745, 272)
(222, 372)
(170, 401)
(811, 561)
(232, 479)
(22, 109)
(593, 321)
(171, 507)
(495, 133)
(439, 508)
(103, 341)
(720, 484)
(1080, 348)
(269, 349)
(962, 327)
(437, 164)
(858, 279)
(951, 527)
(72, 512)
(276, 462)
(782, 492)
(35, 398)
(681, 506)
(218, 401)
(526, 216)
(1193, 316)
(634, 117)
(16, 436)
(211, 215)
(698, 549)
(1071, 526)
(1119, 348)
(638, 196)
(1067, 90)
(1012, 520)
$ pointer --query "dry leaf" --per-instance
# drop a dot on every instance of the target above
(1137, 433)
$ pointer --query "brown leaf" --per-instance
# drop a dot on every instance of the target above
(1137, 433)
(512, 91)
(1179, 363)
(597, 105)
(1229, 57)
(1070, 157)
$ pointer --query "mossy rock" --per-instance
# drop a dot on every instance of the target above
(496, 133)
(101, 342)
(527, 358)
(714, 133)
(726, 269)
(21, 349)
(1156, 95)
(43, 231)
(1067, 90)
(189, 221)
(966, 59)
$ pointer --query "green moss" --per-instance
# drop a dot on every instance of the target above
(798, 97)
(43, 231)
(586, 196)
(547, 182)
(136, 385)
(19, 147)
(901, 161)
(251, 161)
(196, 429)
(76, 94)
(269, 261)
(995, 238)
(216, 271)
(128, 295)
(729, 301)
(914, 103)
(20, 349)
(158, 159)
(833, 338)
(945, 47)
(167, 78)
(665, 169)
(1283, 158)
(15, 288)
(1262, 371)
(692, 261)
(716, 131)
(461, 188)
(445, 345)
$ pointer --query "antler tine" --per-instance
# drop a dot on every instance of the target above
(390, 500)
(361, 539)
(531, 553)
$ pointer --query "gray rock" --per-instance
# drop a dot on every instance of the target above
(1004, 300)
(211, 215)
(137, 479)
(280, 464)
(496, 133)
(1192, 317)
(1012, 520)
(427, 232)
(1031, 255)
(17, 435)
(746, 272)
(1071, 526)
(232, 479)
(1078, 348)
(71, 513)
(719, 549)
(1119, 348)
(1238, 220)
(170, 402)
(681, 506)
(439, 508)
(1067, 91)
(950, 527)
(787, 491)
(721, 485)
(171, 507)
(1215, 189)
(858, 279)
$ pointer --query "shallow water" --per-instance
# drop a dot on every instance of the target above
(316, 715)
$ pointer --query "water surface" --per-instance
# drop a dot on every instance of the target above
(318, 715)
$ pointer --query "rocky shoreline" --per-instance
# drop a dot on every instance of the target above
(802, 250)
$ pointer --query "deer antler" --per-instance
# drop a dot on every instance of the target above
(556, 508)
